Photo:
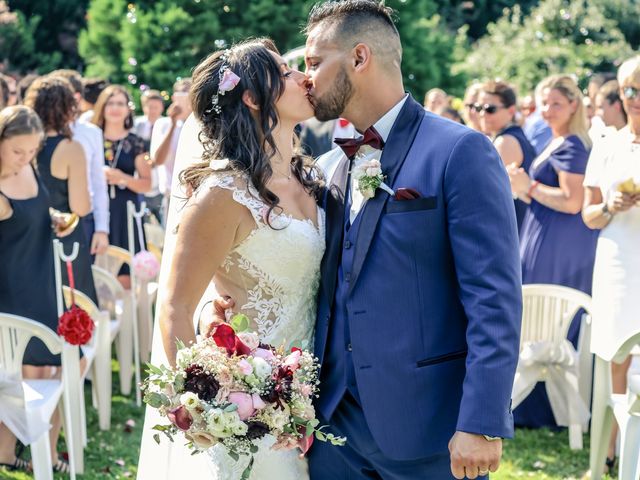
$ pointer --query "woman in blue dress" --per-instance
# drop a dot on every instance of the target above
(127, 168)
(497, 109)
(556, 247)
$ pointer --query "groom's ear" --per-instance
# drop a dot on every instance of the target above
(361, 57)
(249, 101)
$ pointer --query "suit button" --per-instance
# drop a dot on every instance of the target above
(349, 349)
(347, 245)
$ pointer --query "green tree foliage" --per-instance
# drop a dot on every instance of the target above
(560, 36)
(53, 28)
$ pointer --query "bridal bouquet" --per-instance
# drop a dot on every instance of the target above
(231, 389)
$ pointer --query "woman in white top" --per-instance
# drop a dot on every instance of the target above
(611, 203)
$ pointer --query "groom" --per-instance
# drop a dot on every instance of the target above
(420, 303)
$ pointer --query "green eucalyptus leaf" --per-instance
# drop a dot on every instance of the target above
(240, 322)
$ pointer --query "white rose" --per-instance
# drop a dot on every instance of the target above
(261, 367)
(250, 339)
(240, 428)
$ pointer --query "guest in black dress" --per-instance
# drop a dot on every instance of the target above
(127, 166)
(27, 282)
(497, 107)
(63, 167)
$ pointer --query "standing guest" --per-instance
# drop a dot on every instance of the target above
(535, 128)
(470, 113)
(316, 137)
(27, 276)
(497, 104)
(126, 168)
(93, 87)
(152, 107)
(63, 167)
(96, 223)
(616, 276)
(556, 246)
(24, 84)
(164, 140)
(527, 106)
(609, 106)
(434, 99)
(450, 113)
(11, 90)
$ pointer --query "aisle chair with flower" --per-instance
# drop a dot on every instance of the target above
(624, 407)
(547, 356)
(95, 346)
(128, 342)
(144, 274)
(28, 404)
(113, 298)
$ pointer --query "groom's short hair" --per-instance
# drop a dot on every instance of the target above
(355, 21)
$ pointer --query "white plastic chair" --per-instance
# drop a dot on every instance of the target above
(111, 261)
(546, 355)
(626, 410)
(155, 239)
(113, 298)
(42, 396)
(98, 355)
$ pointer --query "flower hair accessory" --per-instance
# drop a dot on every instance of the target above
(369, 177)
(227, 81)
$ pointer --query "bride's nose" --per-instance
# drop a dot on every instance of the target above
(301, 78)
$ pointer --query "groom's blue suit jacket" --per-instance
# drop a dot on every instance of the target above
(434, 303)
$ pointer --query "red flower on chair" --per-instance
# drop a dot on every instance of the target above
(75, 326)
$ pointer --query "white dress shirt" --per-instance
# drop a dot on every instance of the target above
(367, 153)
(90, 137)
(165, 171)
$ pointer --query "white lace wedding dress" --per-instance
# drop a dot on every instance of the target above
(273, 277)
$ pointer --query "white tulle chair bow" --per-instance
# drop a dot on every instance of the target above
(27, 428)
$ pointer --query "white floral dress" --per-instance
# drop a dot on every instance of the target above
(273, 277)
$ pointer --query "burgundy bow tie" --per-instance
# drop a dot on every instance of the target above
(350, 146)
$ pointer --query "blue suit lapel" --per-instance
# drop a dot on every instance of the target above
(393, 156)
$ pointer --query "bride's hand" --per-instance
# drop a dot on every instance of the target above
(218, 315)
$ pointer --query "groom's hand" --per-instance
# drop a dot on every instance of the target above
(473, 455)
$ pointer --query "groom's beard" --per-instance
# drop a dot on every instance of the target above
(333, 103)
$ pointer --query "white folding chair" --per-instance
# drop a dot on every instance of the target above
(111, 261)
(155, 239)
(624, 407)
(113, 298)
(547, 356)
(98, 355)
(42, 396)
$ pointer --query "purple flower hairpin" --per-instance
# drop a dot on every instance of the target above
(227, 81)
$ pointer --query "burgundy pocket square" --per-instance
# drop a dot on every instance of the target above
(407, 194)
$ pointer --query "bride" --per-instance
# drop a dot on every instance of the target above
(251, 225)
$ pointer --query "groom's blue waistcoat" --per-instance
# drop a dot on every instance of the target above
(420, 302)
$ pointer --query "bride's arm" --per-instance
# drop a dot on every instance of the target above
(208, 231)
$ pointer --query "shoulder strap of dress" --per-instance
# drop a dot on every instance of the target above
(243, 192)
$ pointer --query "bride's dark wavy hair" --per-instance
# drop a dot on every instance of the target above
(234, 133)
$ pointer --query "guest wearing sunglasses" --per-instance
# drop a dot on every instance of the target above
(497, 110)
(469, 113)
(611, 199)
(556, 247)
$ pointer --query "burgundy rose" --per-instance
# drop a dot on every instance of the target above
(201, 383)
(256, 430)
(180, 417)
(225, 337)
(304, 443)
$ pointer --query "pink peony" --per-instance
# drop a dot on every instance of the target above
(244, 403)
(245, 367)
(258, 404)
(293, 359)
(264, 353)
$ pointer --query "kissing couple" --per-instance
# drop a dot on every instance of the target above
(407, 288)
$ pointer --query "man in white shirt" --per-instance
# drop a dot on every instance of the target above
(164, 138)
(152, 107)
(96, 224)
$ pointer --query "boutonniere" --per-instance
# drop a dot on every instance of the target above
(369, 177)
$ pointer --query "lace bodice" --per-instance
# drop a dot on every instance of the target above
(273, 277)
(273, 274)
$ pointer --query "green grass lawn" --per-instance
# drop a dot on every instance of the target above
(535, 454)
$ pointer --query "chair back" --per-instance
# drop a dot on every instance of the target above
(15, 333)
(110, 292)
(113, 259)
(155, 235)
(548, 310)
